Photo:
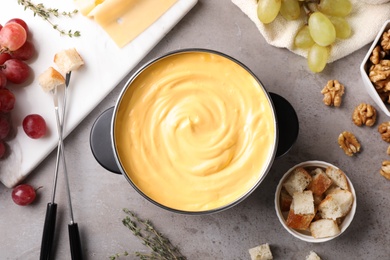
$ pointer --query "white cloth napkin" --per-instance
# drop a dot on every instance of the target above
(365, 20)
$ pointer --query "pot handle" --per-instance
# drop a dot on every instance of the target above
(288, 124)
(102, 148)
(100, 141)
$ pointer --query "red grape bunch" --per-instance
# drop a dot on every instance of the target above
(15, 50)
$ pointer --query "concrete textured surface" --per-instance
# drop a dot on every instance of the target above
(99, 196)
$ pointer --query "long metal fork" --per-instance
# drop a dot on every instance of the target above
(51, 211)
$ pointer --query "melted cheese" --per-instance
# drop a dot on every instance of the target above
(124, 20)
(195, 131)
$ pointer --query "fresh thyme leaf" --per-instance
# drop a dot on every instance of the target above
(47, 13)
(160, 246)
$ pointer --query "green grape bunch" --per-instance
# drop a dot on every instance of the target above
(325, 22)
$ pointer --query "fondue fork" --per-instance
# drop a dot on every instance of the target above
(51, 212)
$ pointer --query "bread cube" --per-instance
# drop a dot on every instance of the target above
(261, 252)
(303, 202)
(68, 60)
(50, 79)
(320, 182)
(338, 177)
(324, 228)
(313, 256)
(336, 205)
(299, 221)
(298, 180)
(285, 200)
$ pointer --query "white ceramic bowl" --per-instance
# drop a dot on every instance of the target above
(305, 235)
(364, 67)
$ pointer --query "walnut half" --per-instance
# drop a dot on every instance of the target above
(385, 169)
(364, 114)
(349, 143)
(333, 91)
(385, 42)
(384, 130)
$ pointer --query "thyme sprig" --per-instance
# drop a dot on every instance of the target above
(47, 13)
(161, 248)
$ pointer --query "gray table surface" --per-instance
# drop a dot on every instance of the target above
(99, 196)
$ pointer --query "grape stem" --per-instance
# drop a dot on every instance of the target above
(3, 50)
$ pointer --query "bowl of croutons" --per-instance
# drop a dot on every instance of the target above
(315, 201)
(375, 69)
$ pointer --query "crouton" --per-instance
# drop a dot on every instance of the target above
(68, 60)
(298, 180)
(336, 205)
(50, 79)
(324, 228)
(261, 252)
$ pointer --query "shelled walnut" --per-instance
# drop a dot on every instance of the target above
(349, 143)
(379, 67)
(333, 92)
(377, 54)
(380, 72)
(364, 114)
(385, 169)
(385, 42)
(384, 130)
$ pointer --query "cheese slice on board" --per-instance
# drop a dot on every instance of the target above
(124, 20)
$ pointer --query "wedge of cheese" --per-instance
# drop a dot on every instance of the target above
(124, 20)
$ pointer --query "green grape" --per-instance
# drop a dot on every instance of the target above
(290, 9)
(343, 29)
(267, 10)
(303, 39)
(317, 57)
(321, 29)
(335, 7)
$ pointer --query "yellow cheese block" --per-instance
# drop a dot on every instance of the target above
(124, 20)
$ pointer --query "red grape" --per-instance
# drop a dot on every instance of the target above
(23, 194)
(3, 80)
(2, 149)
(19, 21)
(1, 27)
(5, 127)
(4, 57)
(25, 52)
(34, 126)
(16, 71)
(12, 36)
(7, 100)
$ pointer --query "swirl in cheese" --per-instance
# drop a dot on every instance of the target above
(195, 131)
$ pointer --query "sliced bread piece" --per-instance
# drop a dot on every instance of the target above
(324, 228)
(320, 182)
(338, 177)
(336, 205)
(68, 60)
(299, 221)
(313, 256)
(303, 202)
(298, 180)
(261, 252)
(50, 79)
